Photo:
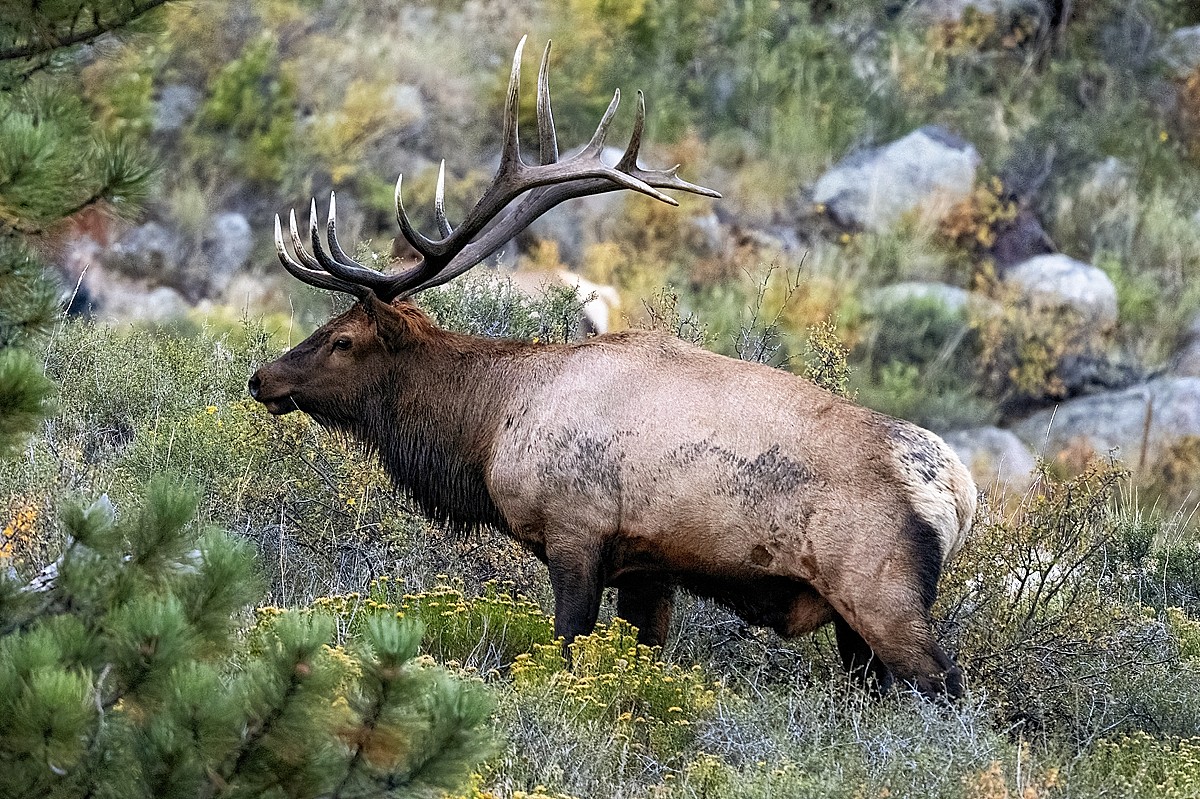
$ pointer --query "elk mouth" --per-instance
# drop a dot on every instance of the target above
(281, 406)
(278, 405)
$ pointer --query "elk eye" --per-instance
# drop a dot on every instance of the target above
(341, 344)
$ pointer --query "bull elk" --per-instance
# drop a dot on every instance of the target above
(632, 459)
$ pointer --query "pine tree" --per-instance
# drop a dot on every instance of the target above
(54, 160)
(124, 672)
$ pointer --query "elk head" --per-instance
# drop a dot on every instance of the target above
(342, 358)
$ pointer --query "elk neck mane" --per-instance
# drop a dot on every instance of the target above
(433, 424)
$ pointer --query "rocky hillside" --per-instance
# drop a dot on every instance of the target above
(995, 201)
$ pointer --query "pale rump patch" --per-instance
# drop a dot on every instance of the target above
(939, 487)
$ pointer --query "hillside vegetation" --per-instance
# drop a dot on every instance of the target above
(1074, 609)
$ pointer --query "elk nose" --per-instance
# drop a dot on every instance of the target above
(254, 385)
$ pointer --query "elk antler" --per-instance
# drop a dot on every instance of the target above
(492, 221)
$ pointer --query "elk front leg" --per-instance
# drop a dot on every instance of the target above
(577, 588)
(647, 606)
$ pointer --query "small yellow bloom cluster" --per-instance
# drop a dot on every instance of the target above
(474, 790)
(974, 222)
(614, 678)
(1142, 765)
(18, 532)
(1187, 632)
(457, 628)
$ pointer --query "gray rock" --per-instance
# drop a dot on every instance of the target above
(1186, 362)
(1050, 281)
(953, 10)
(1139, 423)
(118, 299)
(712, 236)
(1111, 178)
(175, 107)
(953, 298)
(408, 105)
(224, 251)
(929, 169)
(1181, 52)
(149, 251)
(159, 256)
(997, 458)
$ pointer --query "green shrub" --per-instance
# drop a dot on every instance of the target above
(25, 396)
(919, 362)
(485, 633)
(124, 671)
(248, 120)
(1022, 348)
(490, 305)
(1045, 609)
(826, 358)
(1139, 765)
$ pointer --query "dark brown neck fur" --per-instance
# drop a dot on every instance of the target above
(434, 417)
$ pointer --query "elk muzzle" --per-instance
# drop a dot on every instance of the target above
(262, 387)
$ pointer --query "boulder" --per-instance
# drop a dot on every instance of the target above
(953, 298)
(1186, 362)
(175, 106)
(1109, 179)
(150, 251)
(158, 256)
(997, 458)
(1139, 423)
(928, 170)
(224, 251)
(1058, 281)
(116, 299)
(1180, 54)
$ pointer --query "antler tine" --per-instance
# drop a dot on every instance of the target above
(335, 247)
(547, 138)
(667, 179)
(596, 145)
(629, 159)
(413, 236)
(313, 277)
(510, 153)
(340, 265)
(439, 202)
(298, 244)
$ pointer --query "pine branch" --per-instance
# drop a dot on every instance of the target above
(369, 723)
(71, 37)
(66, 213)
(250, 744)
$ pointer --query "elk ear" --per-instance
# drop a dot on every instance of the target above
(391, 326)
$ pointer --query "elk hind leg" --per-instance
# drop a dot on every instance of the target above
(859, 660)
(647, 606)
